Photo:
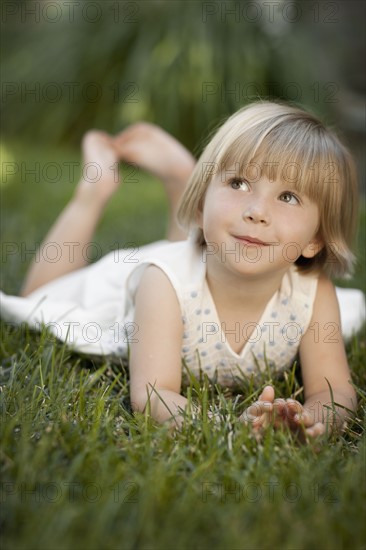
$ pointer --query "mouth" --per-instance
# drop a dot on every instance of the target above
(250, 241)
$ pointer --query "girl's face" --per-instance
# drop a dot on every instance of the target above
(257, 227)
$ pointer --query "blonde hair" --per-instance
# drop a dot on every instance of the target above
(286, 143)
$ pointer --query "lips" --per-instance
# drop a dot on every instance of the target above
(250, 241)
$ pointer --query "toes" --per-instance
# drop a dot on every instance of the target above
(94, 134)
(137, 130)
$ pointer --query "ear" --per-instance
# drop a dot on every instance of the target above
(313, 248)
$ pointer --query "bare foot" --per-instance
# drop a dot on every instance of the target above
(157, 152)
(100, 176)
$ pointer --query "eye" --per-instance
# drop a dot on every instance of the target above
(289, 198)
(237, 183)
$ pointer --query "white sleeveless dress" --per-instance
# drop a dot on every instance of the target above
(92, 310)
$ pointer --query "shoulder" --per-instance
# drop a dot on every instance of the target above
(154, 282)
(156, 296)
(297, 295)
(325, 319)
(180, 261)
(325, 297)
(298, 282)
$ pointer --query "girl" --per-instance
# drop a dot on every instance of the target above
(243, 281)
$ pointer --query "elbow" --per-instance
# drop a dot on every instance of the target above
(354, 402)
(138, 400)
(350, 399)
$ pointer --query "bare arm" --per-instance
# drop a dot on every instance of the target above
(326, 378)
(324, 362)
(155, 360)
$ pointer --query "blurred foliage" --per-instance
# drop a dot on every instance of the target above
(184, 65)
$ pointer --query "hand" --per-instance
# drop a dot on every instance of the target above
(281, 413)
(298, 418)
(259, 414)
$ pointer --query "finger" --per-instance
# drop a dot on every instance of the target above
(304, 418)
(251, 420)
(256, 416)
(294, 406)
(316, 430)
(259, 407)
(259, 423)
(267, 419)
(279, 405)
(294, 409)
(267, 394)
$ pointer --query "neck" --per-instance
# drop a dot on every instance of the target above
(238, 291)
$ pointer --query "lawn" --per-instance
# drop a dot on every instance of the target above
(80, 471)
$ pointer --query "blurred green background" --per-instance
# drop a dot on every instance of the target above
(70, 66)
(185, 65)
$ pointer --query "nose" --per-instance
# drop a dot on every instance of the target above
(256, 213)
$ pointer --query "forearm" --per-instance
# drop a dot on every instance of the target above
(330, 414)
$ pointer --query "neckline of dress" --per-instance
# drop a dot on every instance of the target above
(223, 338)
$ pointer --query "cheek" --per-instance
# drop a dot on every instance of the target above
(217, 214)
(313, 216)
(311, 222)
(220, 204)
(297, 226)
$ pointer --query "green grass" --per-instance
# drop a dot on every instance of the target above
(80, 471)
